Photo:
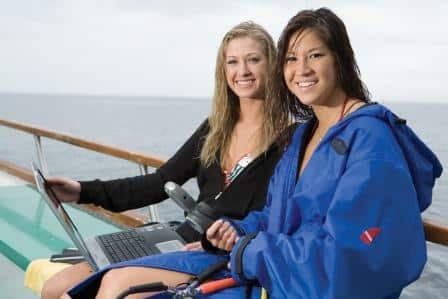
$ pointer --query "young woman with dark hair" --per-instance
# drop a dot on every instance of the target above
(342, 218)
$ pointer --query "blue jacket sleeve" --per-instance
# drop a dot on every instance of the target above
(252, 223)
(326, 258)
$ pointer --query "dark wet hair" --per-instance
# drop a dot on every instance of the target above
(331, 30)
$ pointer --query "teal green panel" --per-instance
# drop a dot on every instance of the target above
(29, 230)
(14, 256)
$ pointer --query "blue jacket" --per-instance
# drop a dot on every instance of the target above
(350, 226)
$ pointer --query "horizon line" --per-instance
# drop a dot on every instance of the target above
(80, 94)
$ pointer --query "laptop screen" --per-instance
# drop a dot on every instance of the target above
(61, 214)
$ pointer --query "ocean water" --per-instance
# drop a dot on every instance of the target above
(159, 126)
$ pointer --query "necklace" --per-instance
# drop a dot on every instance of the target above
(341, 116)
(252, 134)
(247, 149)
(350, 107)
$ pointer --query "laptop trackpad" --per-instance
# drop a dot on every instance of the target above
(161, 238)
(169, 246)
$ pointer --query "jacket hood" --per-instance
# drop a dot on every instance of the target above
(423, 164)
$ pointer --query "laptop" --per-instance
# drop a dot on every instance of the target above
(103, 250)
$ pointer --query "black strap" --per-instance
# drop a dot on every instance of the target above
(239, 255)
(210, 270)
(147, 287)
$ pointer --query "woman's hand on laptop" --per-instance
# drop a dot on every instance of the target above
(67, 190)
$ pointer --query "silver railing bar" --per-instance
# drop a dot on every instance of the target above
(43, 165)
(40, 155)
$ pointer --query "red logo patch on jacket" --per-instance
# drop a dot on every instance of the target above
(369, 235)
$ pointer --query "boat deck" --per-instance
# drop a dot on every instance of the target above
(29, 231)
(11, 277)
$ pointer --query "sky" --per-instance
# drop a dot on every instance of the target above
(168, 47)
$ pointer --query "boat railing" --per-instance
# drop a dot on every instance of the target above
(143, 161)
(434, 232)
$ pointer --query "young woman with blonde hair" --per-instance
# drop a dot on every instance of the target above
(232, 155)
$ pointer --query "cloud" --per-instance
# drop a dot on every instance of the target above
(169, 47)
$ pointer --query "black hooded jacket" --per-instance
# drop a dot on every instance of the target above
(246, 193)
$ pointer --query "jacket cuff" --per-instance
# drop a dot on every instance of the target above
(86, 187)
(236, 259)
(207, 246)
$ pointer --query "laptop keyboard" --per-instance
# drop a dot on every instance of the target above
(124, 246)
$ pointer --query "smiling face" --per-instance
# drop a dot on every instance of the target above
(309, 69)
(246, 68)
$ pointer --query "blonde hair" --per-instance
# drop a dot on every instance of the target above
(225, 107)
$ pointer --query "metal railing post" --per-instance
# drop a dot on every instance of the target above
(44, 168)
(40, 155)
(152, 209)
